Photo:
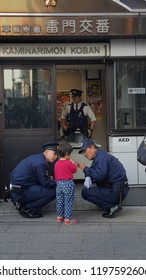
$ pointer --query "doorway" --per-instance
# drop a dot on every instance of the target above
(84, 77)
(27, 121)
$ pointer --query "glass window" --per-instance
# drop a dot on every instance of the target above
(28, 98)
(130, 94)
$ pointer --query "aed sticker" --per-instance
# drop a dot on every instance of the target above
(120, 141)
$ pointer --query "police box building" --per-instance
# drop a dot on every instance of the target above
(48, 48)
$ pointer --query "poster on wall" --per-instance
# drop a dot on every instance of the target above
(94, 97)
(63, 99)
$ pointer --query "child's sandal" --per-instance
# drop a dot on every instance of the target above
(59, 219)
(70, 222)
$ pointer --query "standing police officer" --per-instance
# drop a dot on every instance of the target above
(110, 178)
(75, 116)
(31, 186)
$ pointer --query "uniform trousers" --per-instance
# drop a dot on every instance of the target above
(103, 197)
(64, 198)
(35, 197)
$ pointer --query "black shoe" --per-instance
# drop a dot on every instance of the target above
(112, 211)
(18, 206)
(12, 200)
(29, 214)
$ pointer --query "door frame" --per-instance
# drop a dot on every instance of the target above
(15, 144)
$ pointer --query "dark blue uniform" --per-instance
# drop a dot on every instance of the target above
(110, 177)
(32, 174)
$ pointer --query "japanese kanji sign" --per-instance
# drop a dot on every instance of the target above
(68, 26)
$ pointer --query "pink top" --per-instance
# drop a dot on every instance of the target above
(64, 170)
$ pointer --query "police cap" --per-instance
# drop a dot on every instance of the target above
(76, 92)
(50, 146)
(86, 143)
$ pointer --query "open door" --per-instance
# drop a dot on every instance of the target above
(91, 80)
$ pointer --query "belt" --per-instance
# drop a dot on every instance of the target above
(110, 185)
(120, 183)
(16, 188)
(13, 185)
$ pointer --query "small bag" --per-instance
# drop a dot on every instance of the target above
(141, 152)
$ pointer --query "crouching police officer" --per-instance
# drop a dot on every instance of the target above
(31, 186)
(108, 174)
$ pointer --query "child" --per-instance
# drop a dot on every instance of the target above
(64, 169)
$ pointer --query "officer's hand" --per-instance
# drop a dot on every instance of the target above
(65, 127)
(51, 177)
(89, 133)
(81, 165)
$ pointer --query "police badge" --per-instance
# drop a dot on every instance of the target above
(50, 3)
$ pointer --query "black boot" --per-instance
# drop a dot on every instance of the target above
(112, 211)
(18, 206)
(29, 214)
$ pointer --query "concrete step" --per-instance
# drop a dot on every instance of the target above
(135, 197)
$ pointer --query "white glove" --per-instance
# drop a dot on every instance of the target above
(88, 182)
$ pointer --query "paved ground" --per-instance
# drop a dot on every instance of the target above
(94, 237)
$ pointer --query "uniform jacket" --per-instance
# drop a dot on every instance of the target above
(32, 170)
(105, 168)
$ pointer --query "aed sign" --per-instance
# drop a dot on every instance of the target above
(123, 144)
(124, 140)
